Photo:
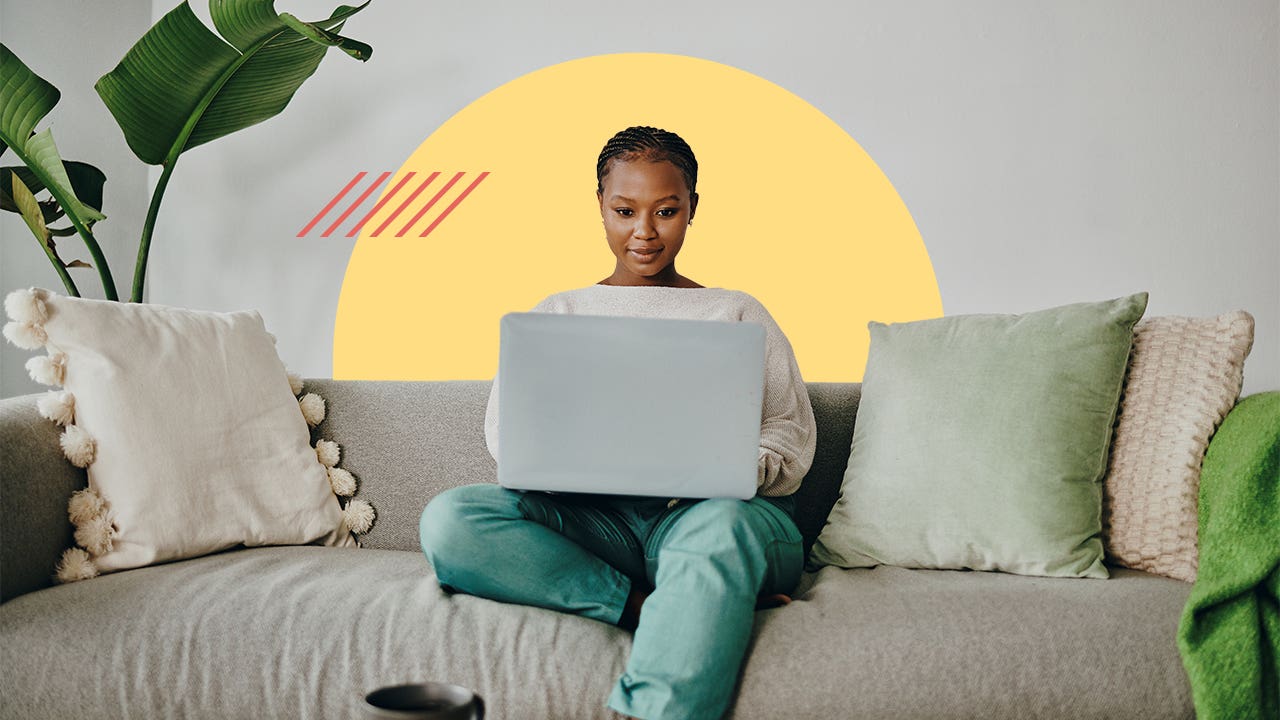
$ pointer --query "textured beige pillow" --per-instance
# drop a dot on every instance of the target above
(1184, 376)
(188, 427)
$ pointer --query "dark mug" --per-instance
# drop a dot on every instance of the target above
(423, 701)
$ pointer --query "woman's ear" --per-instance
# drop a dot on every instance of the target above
(693, 205)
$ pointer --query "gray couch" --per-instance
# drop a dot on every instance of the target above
(302, 631)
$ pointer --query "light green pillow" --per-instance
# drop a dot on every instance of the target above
(981, 441)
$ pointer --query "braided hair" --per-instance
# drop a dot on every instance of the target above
(641, 142)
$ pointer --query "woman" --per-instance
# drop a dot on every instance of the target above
(685, 574)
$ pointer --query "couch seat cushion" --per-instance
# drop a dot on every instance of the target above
(892, 642)
(291, 632)
(301, 631)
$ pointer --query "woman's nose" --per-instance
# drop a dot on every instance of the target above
(643, 227)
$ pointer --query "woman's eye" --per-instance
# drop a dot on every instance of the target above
(669, 211)
(625, 212)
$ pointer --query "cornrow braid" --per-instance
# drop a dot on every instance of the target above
(642, 142)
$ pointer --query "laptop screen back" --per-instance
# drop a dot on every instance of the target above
(632, 406)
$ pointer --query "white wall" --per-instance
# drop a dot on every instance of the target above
(72, 44)
(1049, 152)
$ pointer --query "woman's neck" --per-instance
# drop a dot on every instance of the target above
(678, 281)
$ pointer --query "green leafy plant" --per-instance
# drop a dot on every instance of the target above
(180, 86)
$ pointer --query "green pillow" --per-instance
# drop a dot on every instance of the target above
(981, 441)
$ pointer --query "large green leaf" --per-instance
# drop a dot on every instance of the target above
(25, 98)
(33, 215)
(86, 181)
(44, 161)
(29, 209)
(181, 85)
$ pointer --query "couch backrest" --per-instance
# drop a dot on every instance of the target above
(407, 441)
(36, 480)
(404, 441)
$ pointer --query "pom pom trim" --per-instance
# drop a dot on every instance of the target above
(75, 565)
(58, 406)
(79, 447)
(312, 406)
(95, 535)
(26, 335)
(48, 369)
(85, 505)
(25, 305)
(342, 482)
(358, 516)
(328, 453)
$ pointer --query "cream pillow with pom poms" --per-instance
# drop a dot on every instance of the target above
(171, 409)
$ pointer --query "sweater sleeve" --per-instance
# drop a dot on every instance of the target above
(491, 420)
(788, 429)
(491, 410)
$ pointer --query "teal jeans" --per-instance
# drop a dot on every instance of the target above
(706, 560)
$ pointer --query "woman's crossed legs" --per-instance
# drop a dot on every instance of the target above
(707, 561)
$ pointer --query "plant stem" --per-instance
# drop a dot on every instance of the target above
(62, 270)
(144, 246)
(99, 261)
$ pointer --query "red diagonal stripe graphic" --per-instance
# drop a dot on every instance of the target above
(363, 196)
(359, 176)
(454, 204)
(405, 204)
(431, 202)
(352, 232)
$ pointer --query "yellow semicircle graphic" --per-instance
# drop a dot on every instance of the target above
(791, 210)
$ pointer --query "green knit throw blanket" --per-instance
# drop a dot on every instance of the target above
(1229, 635)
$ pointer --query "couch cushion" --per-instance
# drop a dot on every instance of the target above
(894, 642)
(290, 632)
(196, 445)
(1184, 377)
(302, 631)
(981, 440)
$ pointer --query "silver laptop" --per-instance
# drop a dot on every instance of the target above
(630, 406)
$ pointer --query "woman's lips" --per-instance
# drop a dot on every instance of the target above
(642, 254)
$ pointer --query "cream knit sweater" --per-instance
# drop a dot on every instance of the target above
(788, 431)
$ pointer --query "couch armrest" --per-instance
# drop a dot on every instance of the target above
(35, 482)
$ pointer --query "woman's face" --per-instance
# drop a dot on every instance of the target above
(646, 207)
